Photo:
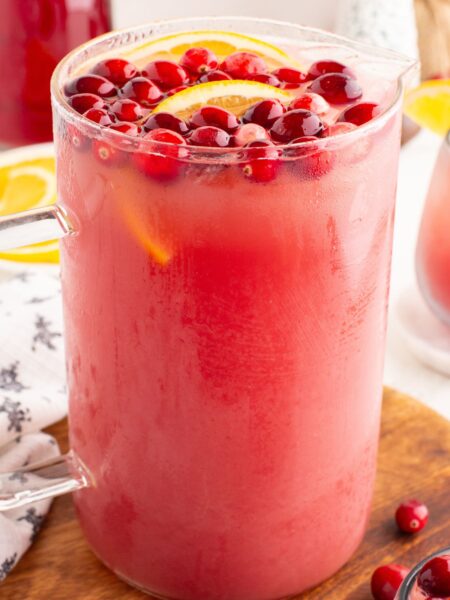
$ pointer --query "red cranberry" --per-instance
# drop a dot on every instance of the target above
(216, 117)
(100, 116)
(411, 516)
(242, 64)
(216, 75)
(79, 141)
(294, 124)
(117, 70)
(126, 110)
(328, 66)
(312, 102)
(267, 78)
(90, 84)
(127, 128)
(165, 120)
(359, 114)
(174, 91)
(264, 112)
(106, 154)
(166, 74)
(209, 136)
(83, 102)
(262, 163)
(336, 88)
(250, 132)
(315, 161)
(434, 577)
(386, 581)
(163, 165)
(289, 78)
(142, 90)
(198, 61)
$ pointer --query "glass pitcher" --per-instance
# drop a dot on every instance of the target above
(224, 339)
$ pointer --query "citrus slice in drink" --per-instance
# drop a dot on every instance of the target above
(222, 43)
(234, 95)
(27, 180)
(429, 105)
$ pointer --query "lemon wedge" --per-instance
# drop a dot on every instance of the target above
(429, 105)
(234, 95)
(27, 180)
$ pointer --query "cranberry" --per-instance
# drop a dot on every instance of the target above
(127, 128)
(359, 113)
(267, 78)
(315, 161)
(100, 116)
(262, 163)
(90, 84)
(142, 90)
(83, 102)
(328, 66)
(198, 61)
(242, 64)
(264, 112)
(336, 88)
(165, 120)
(294, 124)
(77, 139)
(209, 136)
(117, 70)
(434, 576)
(289, 78)
(107, 154)
(250, 132)
(163, 165)
(126, 110)
(411, 516)
(166, 74)
(386, 581)
(339, 128)
(174, 91)
(216, 75)
(312, 102)
(216, 117)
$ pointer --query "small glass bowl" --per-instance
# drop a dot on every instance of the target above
(409, 589)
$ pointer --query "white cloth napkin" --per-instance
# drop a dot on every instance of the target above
(32, 392)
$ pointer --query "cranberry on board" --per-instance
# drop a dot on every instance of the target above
(361, 113)
(336, 88)
(162, 164)
(328, 66)
(126, 110)
(386, 581)
(262, 162)
(90, 84)
(142, 90)
(198, 61)
(434, 577)
(166, 74)
(209, 136)
(165, 120)
(216, 117)
(242, 64)
(264, 112)
(116, 70)
(294, 124)
(83, 102)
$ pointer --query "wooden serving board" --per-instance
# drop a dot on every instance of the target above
(414, 461)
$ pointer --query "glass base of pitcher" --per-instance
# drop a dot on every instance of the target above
(427, 337)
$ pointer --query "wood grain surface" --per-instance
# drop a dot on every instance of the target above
(414, 461)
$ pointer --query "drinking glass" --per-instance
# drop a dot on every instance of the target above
(224, 339)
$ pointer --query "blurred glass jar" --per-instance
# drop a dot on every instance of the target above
(34, 36)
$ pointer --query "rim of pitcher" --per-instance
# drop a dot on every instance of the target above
(69, 114)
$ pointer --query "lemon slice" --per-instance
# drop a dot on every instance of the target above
(429, 105)
(234, 95)
(27, 180)
(222, 43)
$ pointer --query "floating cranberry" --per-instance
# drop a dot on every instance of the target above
(83, 102)
(262, 162)
(359, 114)
(142, 90)
(216, 75)
(242, 64)
(289, 78)
(127, 128)
(166, 74)
(312, 102)
(267, 78)
(264, 112)
(216, 117)
(177, 89)
(198, 61)
(294, 124)
(434, 577)
(100, 116)
(90, 84)
(165, 120)
(314, 161)
(79, 141)
(250, 132)
(162, 164)
(209, 136)
(328, 66)
(107, 154)
(339, 128)
(386, 581)
(117, 70)
(127, 110)
(336, 88)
